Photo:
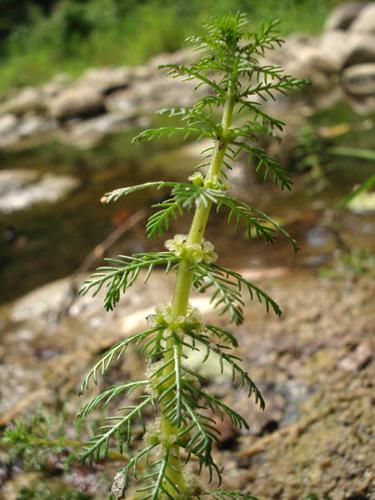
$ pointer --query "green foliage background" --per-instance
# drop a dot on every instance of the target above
(39, 38)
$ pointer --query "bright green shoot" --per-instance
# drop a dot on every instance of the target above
(230, 68)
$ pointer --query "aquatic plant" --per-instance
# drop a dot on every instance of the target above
(229, 66)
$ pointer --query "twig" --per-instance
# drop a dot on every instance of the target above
(97, 253)
(22, 405)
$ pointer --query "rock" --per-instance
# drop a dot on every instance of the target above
(55, 86)
(8, 124)
(161, 91)
(41, 302)
(359, 79)
(123, 101)
(334, 46)
(25, 192)
(107, 80)
(364, 105)
(365, 22)
(87, 133)
(142, 72)
(318, 61)
(29, 99)
(182, 56)
(11, 180)
(325, 62)
(358, 358)
(33, 124)
(360, 49)
(77, 102)
(342, 17)
(364, 203)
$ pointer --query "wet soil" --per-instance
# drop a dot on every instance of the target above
(315, 366)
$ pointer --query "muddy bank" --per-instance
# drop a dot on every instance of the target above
(315, 366)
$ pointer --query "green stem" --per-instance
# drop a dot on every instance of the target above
(180, 300)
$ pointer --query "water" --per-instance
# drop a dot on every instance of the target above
(50, 241)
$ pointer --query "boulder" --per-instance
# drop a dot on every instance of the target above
(8, 124)
(107, 80)
(15, 179)
(142, 72)
(182, 56)
(363, 105)
(359, 79)
(27, 100)
(365, 22)
(88, 133)
(360, 49)
(333, 45)
(343, 16)
(77, 101)
(123, 101)
(55, 86)
(8, 130)
(24, 190)
(31, 125)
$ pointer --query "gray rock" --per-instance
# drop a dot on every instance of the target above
(29, 99)
(123, 101)
(32, 125)
(333, 45)
(8, 124)
(107, 80)
(360, 48)
(43, 301)
(343, 16)
(12, 180)
(365, 22)
(87, 133)
(22, 190)
(55, 86)
(76, 102)
(359, 79)
(182, 56)
(142, 72)
(363, 105)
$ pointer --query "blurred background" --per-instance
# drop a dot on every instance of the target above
(78, 79)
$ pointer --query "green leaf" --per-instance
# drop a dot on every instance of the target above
(124, 272)
(237, 373)
(192, 72)
(362, 188)
(161, 220)
(160, 483)
(126, 191)
(227, 288)
(218, 406)
(269, 165)
(222, 334)
(98, 446)
(203, 434)
(256, 220)
(187, 131)
(114, 353)
(106, 397)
